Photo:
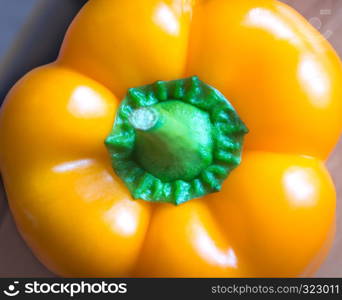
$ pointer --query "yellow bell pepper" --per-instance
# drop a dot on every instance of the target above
(275, 213)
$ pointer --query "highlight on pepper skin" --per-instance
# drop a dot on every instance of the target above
(191, 145)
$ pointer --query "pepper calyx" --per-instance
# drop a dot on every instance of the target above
(173, 141)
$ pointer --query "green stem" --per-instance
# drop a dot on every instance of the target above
(173, 140)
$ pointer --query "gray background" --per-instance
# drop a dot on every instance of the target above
(21, 23)
(13, 14)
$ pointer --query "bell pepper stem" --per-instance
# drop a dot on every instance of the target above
(167, 143)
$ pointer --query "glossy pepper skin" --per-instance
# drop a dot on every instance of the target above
(274, 216)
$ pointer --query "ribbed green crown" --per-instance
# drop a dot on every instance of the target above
(176, 140)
